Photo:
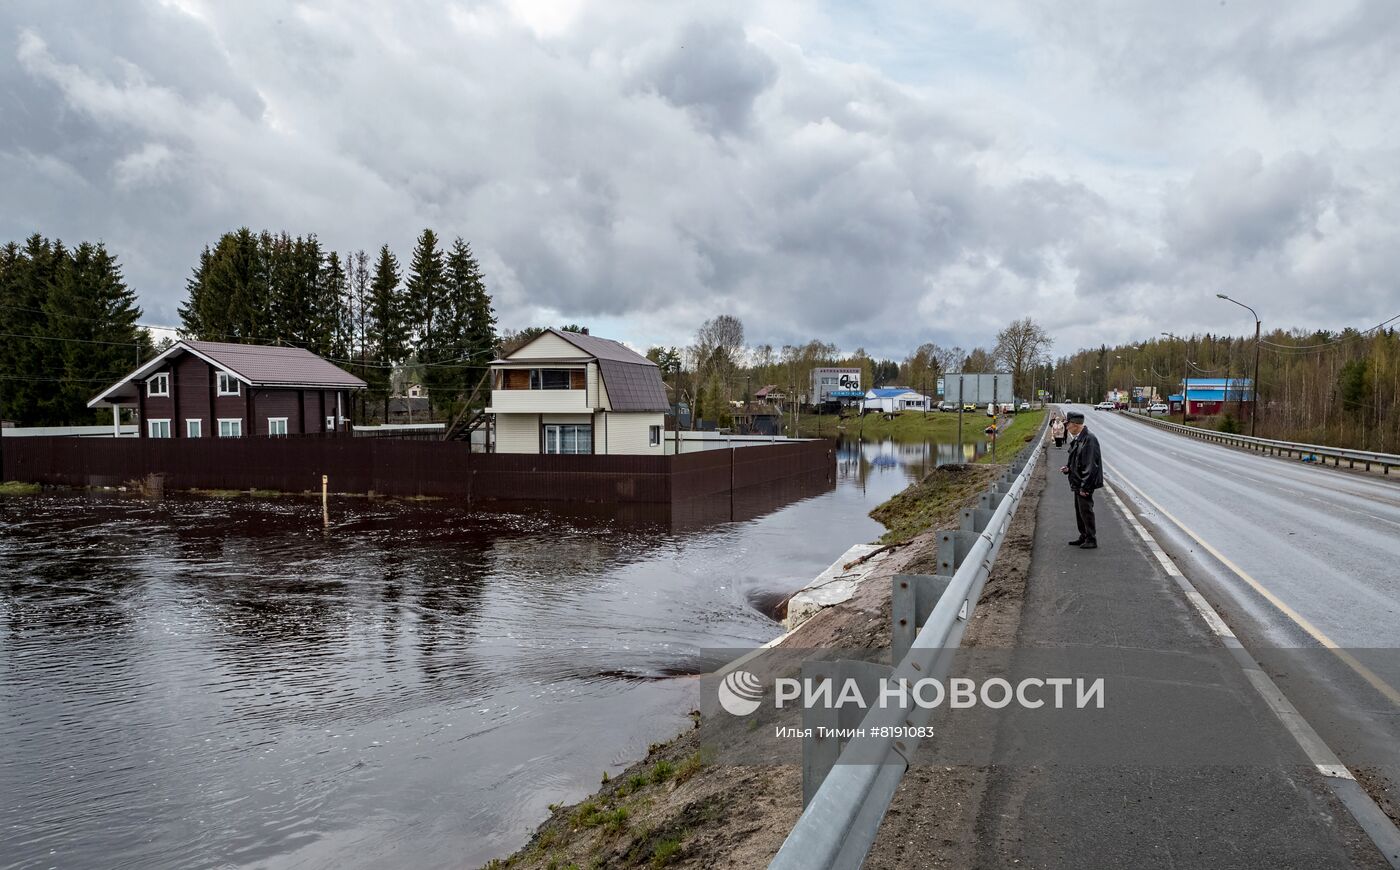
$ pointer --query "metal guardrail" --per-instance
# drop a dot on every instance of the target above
(1368, 458)
(845, 802)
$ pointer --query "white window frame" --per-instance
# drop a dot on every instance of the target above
(151, 425)
(653, 435)
(279, 422)
(225, 378)
(194, 427)
(164, 379)
(557, 431)
(234, 422)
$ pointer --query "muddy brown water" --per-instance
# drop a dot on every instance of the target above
(200, 682)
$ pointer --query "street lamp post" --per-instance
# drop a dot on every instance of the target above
(1254, 414)
(1184, 378)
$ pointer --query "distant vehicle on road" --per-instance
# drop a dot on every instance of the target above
(1025, 406)
(1159, 408)
(1104, 406)
(969, 407)
(947, 406)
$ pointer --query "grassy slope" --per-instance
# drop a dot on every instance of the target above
(912, 426)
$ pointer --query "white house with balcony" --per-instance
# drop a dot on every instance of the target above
(567, 392)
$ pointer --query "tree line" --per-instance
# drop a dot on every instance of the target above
(434, 322)
(718, 370)
(70, 329)
(1338, 388)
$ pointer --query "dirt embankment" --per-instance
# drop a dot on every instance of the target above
(675, 808)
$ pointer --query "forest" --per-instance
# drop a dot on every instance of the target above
(1336, 388)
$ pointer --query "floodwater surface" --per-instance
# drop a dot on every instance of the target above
(200, 682)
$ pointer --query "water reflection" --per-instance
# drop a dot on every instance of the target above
(198, 682)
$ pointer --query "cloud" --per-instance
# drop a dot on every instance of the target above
(647, 165)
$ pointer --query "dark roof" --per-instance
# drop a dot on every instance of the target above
(267, 365)
(633, 387)
(602, 348)
(257, 364)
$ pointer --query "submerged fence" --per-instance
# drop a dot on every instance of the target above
(405, 468)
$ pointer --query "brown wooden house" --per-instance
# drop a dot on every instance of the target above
(209, 389)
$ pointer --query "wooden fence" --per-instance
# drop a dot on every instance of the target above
(407, 468)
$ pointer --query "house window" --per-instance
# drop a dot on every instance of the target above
(158, 428)
(158, 385)
(194, 428)
(654, 435)
(231, 428)
(568, 438)
(549, 379)
(228, 384)
(277, 425)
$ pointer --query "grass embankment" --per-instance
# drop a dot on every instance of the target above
(939, 495)
(628, 822)
(14, 487)
(1015, 436)
(911, 426)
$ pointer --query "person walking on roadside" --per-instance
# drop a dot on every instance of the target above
(1057, 431)
(1085, 470)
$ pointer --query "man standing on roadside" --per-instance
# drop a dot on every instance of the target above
(1085, 470)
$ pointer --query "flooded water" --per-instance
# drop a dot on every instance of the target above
(199, 682)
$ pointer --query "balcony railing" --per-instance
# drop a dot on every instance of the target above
(539, 401)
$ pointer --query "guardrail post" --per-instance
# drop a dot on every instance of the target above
(952, 548)
(821, 749)
(912, 599)
(975, 519)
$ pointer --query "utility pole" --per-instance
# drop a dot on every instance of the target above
(962, 400)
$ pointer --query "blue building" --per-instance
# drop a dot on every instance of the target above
(1209, 397)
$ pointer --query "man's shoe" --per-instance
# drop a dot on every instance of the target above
(1089, 545)
(1077, 543)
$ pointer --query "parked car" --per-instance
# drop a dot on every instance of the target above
(947, 406)
(969, 407)
(1104, 406)
(1159, 408)
(1025, 406)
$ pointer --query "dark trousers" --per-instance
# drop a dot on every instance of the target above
(1084, 516)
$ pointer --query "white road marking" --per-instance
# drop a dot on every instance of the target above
(1301, 621)
(1312, 744)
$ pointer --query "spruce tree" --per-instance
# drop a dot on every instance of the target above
(387, 330)
(426, 294)
(469, 328)
(93, 316)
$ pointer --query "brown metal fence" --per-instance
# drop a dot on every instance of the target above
(405, 467)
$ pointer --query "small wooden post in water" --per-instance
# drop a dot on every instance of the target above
(325, 503)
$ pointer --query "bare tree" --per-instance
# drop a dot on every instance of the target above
(1018, 346)
(718, 351)
(979, 360)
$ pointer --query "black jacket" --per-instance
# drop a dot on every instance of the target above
(1085, 463)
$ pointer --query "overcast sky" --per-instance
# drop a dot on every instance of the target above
(875, 175)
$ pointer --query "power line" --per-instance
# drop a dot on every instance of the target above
(451, 362)
(72, 340)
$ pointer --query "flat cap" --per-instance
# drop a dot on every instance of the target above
(1074, 417)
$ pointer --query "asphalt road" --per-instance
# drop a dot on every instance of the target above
(1303, 562)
